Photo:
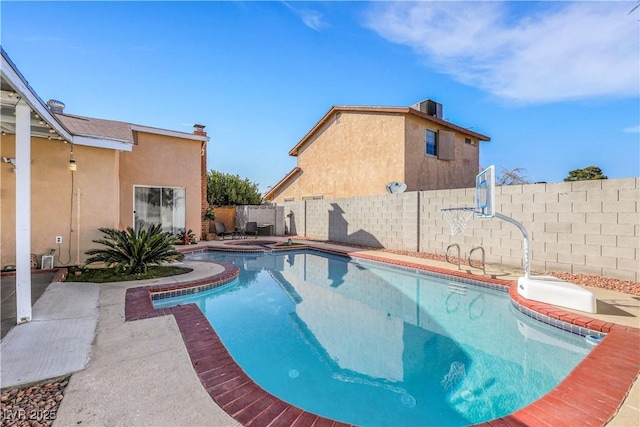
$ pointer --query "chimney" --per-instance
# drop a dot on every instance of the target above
(199, 130)
(56, 106)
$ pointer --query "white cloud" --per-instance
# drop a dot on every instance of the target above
(522, 52)
(632, 129)
(311, 18)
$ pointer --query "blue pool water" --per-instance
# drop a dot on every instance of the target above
(373, 345)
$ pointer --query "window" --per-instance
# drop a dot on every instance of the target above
(160, 205)
(431, 143)
(289, 199)
(314, 197)
(470, 141)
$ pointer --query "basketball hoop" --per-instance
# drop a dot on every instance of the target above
(458, 218)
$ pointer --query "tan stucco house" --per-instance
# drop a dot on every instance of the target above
(356, 151)
(63, 176)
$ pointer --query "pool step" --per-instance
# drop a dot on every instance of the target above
(457, 288)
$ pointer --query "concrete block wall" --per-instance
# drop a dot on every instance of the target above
(585, 227)
(379, 221)
(294, 219)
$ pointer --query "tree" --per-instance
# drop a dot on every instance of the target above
(131, 251)
(226, 190)
(588, 173)
(512, 177)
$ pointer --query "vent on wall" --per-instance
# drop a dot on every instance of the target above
(56, 106)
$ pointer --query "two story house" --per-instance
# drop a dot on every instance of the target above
(357, 151)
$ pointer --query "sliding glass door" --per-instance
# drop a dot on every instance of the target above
(160, 205)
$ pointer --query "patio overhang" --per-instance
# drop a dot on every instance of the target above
(14, 88)
(43, 123)
(24, 115)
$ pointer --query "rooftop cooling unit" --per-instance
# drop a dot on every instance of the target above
(431, 108)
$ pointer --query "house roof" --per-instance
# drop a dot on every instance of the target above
(115, 130)
(100, 128)
(271, 193)
(385, 110)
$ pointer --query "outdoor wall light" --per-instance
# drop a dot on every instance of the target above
(72, 162)
(10, 160)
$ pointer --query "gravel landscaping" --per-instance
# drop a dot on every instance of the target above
(624, 286)
(34, 406)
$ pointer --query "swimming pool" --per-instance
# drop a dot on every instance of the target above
(372, 345)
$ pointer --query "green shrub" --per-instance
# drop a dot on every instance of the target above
(132, 251)
(186, 236)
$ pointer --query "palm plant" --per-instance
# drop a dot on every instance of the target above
(132, 251)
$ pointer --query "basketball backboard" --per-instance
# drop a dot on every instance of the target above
(485, 193)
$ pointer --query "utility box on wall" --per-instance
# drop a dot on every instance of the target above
(47, 262)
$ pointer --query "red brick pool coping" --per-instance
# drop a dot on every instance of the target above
(590, 395)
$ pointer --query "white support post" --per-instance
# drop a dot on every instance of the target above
(525, 243)
(23, 212)
(549, 289)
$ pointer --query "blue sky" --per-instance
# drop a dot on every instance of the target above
(554, 84)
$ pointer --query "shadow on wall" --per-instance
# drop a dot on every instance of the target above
(339, 230)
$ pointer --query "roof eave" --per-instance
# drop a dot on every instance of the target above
(93, 141)
(167, 132)
(395, 110)
(26, 92)
(445, 123)
(269, 195)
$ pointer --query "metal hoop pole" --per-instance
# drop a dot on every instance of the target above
(525, 235)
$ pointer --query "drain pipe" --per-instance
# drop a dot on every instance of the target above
(78, 227)
(525, 244)
(418, 224)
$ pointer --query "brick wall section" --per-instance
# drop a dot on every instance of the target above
(204, 204)
(585, 227)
